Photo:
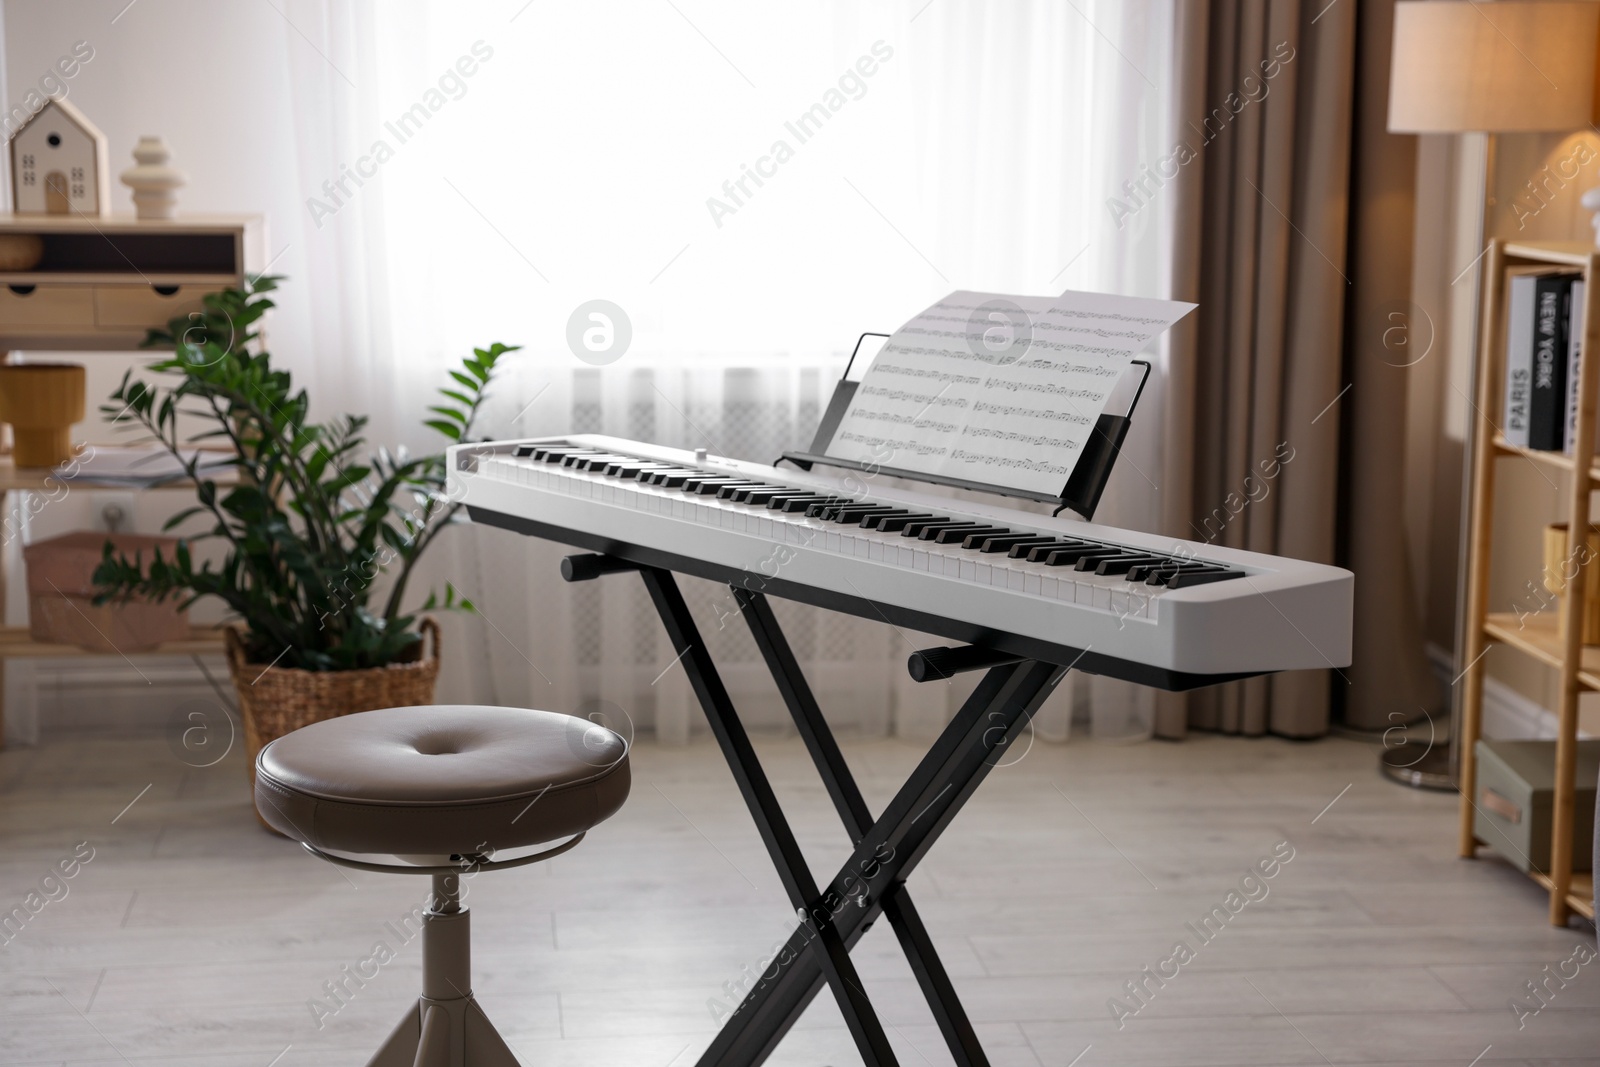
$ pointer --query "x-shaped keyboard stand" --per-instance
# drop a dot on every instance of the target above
(886, 850)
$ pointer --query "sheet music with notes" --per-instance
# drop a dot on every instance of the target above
(995, 389)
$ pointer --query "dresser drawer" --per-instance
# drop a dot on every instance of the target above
(46, 305)
(144, 305)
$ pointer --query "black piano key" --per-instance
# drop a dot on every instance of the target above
(524, 451)
(829, 509)
(710, 488)
(670, 479)
(794, 502)
(1141, 571)
(765, 497)
(692, 485)
(1020, 549)
(855, 518)
(1162, 575)
(1185, 579)
(915, 529)
(1090, 562)
(1117, 564)
(638, 473)
(872, 518)
(892, 523)
(1067, 557)
(1070, 553)
(976, 539)
(628, 469)
(1005, 542)
(853, 515)
(1038, 553)
(758, 497)
(954, 535)
(797, 504)
(597, 462)
(737, 493)
(928, 530)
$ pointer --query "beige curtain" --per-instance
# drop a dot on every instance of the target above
(1286, 434)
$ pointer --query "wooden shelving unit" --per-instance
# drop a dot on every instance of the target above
(1553, 639)
(100, 283)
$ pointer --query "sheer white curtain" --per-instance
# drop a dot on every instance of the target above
(754, 184)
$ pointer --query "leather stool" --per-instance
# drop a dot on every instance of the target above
(445, 789)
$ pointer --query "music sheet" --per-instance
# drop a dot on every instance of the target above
(998, 390)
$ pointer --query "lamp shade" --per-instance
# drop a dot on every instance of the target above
(1500, 67)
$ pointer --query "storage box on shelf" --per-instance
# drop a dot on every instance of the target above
(98, 284)
(1551, 638)
(18, 642)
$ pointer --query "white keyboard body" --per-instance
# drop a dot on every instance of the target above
(1281, 614)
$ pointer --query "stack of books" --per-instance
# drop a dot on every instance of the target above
(1544, 334)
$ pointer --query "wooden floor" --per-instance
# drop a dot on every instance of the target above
(193, 937)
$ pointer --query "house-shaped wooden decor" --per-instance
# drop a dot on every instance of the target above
(59, 165)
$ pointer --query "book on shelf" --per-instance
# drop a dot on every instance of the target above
(1547, 395)
(1540, 359)
(1574, 351)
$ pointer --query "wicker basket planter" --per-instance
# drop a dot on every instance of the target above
(276, 700)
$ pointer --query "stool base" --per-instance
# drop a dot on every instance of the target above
(448, 1033)
(447, 1028)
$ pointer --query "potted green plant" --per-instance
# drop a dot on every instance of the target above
(309, 518)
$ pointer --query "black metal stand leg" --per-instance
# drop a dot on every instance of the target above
(833, 959)
(853, 810)
(945, 778)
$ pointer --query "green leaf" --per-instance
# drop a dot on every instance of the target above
(449, 429)
(449, 413)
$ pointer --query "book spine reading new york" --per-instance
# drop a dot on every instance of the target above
(1547, 396)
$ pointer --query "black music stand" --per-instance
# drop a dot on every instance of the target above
(886, 849)
(1084, 486)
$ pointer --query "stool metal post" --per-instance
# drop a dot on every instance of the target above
(446, 943)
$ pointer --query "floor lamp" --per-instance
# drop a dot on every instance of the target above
(1464, 67)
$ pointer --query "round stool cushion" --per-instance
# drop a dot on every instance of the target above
(437, 780)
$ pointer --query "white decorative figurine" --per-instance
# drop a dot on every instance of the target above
(58, 164)
(155, 185)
